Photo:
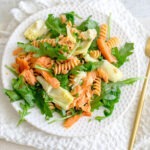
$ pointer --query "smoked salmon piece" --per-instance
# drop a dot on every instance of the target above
(105, 50)
(17, 51)
(29, 76)
(22, 64)
(51, 80)
(70, 121)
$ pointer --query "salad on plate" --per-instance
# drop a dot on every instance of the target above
(68, 68)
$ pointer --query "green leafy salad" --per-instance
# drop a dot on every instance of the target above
(68, 68)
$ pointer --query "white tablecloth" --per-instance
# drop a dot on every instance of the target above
(140, 12)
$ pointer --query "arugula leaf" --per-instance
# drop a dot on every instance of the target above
(45, 50)
(123, 53)
(64, 115)
(109, 25)
(60, 119)
(12, 95)
(22, 89)
(99, 118)
(110, 95)
(71, 16)
(42, 101)
(125, 82)
(96, 103)
(64, 80)
(42, 68)
(12, 70)
(55, 25)
(88, 24)
(94, 45)
(52, 52)
(89, 66)
(28, 47)
(25, 107)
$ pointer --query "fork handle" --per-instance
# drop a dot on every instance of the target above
(139, 109)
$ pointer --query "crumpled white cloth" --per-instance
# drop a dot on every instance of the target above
(114, 138)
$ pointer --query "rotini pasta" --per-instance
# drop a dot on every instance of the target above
(66, 41)
(49, 41)
(63, 18)
(95, 53)
(97, 86)
(71, 80)
(63, 68)
(112, 42)
(51, 105)
(102, 74)
(103, 31)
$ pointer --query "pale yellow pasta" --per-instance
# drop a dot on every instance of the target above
(64, 67)
(97, 86)
(103, 31)
(102, 74)
(36, 43)
(113, 42)
(95, 53)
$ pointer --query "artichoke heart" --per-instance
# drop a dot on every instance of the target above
(114, 74)
(60, 96)
(84, 46)
(37, 29)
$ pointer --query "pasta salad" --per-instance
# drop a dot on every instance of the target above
(68, 68)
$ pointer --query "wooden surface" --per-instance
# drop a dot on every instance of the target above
(140, 9)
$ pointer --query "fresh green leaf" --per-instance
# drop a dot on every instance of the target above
(28, 47)
(52, 52)
(55, 25)
(96, 103)
(89, 66)
(42, 68)
(12, 70)
(24, 112)
(123, 54)
(128, 81)
(93, 45)
(12, 95)
(71, 16)
(110, 95)
(88, 24)
(22, 89)
(45, 50)
(99, 118)
(42, 100)
(61, 112)
(59, 119)
(109, 25)
(64, 80)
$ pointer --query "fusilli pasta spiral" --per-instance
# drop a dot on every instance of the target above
(97, 86)
(112, 42)
(71, 80)
(95, 53)
(103, 31)
(102, 74)
(63, 68)
(49, 41)
(51, 105)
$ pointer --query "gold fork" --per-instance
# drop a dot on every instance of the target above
(141, 100)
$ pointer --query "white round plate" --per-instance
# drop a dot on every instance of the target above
(83, 127)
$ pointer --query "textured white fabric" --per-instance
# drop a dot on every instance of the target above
(117, 136)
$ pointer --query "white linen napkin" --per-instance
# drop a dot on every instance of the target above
(115, 138)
